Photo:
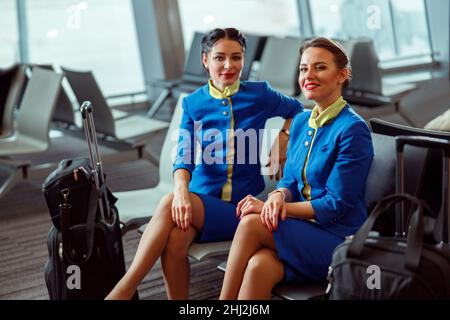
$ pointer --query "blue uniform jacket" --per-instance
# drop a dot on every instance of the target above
(209, 118)
(337, 169)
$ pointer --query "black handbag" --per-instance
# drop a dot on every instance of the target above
(73, 178)
(372, 267)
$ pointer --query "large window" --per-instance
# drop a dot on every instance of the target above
(411, 27)
(267, 17)
(398, 27)
(9, 47)
(90, 35)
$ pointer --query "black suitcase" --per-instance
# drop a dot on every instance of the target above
(86, 257)
(402, 267)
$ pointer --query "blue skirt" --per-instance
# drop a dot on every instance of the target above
(305, 249)
(220, 222)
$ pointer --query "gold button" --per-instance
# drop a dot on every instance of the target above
(224, 102)
(306, 143)
(310, 133)
(225, 113)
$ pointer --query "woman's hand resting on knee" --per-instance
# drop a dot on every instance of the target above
(182, 209)
(274, 207)
(248, 205)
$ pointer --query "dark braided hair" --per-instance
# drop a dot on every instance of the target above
(217, 34)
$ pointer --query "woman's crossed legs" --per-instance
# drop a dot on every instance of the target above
(253, 267)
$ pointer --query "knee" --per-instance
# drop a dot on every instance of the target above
(249, 222)
(256, 266)
(164, 207)
(166, 200)
(177, 246)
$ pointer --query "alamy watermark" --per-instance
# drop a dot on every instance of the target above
(213, 146)
(374, 19)
(373, 282)
(74, 277)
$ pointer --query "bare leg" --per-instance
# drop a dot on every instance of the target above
(251, 235)
(151, 246)
(175, 261)
(176, 265)
(264, 271)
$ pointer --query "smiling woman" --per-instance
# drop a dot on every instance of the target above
(224, 59)
(321, 198)
(324, 70)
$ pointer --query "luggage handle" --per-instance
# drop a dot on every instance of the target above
(429, 143)
(415, 235)
(94, 156)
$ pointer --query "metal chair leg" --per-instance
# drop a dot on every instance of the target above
(13, 179)
(165, 94)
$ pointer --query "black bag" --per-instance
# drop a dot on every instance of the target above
(75, 178)
(372, 267)
(86, 257)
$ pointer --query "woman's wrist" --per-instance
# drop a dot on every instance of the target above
(277, 191)
(180, 188)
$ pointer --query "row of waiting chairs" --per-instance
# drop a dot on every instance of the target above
(84, 87)
(35, 95)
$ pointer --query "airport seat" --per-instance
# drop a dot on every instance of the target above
(195, 75)
(33, 125)
(293, 291)
(367, 87)
(279, 64)
(135, 130)
(64, 113)
(12, 83)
